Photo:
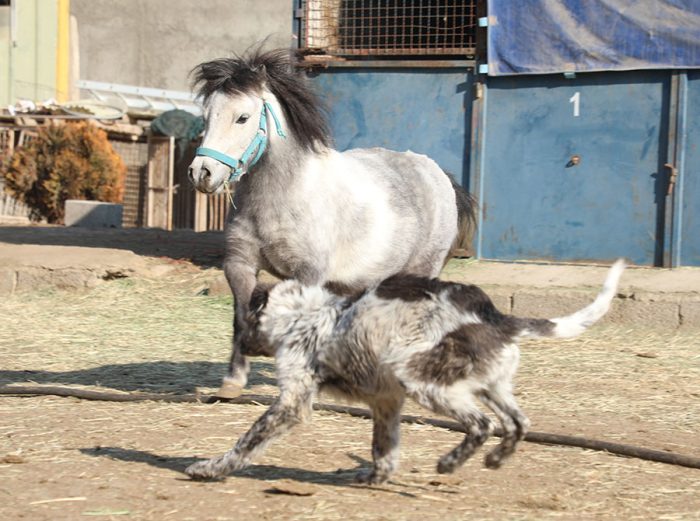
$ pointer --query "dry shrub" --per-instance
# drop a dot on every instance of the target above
(73, 160)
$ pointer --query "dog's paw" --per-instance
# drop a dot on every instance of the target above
(204, 470)
(493, 460)
(370, 477)
(446, 465)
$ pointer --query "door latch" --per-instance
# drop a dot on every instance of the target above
(673, 174)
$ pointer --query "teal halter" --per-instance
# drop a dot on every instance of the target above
(256, 147)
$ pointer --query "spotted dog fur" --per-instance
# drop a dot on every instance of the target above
(443, 344)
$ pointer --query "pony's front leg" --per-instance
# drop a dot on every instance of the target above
(241, 277)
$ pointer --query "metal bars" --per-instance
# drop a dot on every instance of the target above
(389, 27)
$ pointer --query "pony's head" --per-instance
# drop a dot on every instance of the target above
(251, 102)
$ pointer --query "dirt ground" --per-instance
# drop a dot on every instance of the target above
(65, 459)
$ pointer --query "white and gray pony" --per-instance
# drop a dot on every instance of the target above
(303, 210)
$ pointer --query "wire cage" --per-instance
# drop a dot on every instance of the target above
(389, 27)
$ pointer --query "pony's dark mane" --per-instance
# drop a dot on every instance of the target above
(275, 69)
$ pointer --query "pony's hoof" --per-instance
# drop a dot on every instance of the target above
(370, 477)
(229, 390)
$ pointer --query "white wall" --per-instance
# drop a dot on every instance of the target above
(155, 43)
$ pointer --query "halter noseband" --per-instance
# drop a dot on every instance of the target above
(256, 147)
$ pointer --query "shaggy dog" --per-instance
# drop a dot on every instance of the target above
(443, 344)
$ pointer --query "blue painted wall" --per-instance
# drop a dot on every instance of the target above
(424, 110)
(611, 203)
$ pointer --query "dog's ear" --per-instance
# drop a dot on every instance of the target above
(258, 300)
(252, 342)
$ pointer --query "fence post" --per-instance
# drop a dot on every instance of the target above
(200, 212)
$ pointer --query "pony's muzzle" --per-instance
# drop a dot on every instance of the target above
(207, 175)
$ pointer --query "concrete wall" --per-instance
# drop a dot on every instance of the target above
(155, 43)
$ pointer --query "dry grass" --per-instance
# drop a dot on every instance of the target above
(164, 335)
(636, 386)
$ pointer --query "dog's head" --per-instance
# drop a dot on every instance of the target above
(277, 312)
(270, 308)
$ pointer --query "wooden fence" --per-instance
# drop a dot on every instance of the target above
(173, 201)
(157, 192)
(9, 206)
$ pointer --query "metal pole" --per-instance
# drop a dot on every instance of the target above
(478, 156)
(681, 143)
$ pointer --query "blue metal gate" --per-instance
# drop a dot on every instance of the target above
(689, 208)
(567, 165)
(426, 110)
(601, 164)
(572, 169)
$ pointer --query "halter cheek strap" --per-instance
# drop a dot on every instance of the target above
(255, 149)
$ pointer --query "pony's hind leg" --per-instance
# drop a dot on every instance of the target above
(456, 402)
(513, 422)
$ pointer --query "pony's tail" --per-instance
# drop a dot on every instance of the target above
(466, 221)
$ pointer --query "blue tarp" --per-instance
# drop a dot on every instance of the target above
(554, 36)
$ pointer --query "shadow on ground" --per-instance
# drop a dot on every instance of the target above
(205, 249)
(153, 377)
(339, 477)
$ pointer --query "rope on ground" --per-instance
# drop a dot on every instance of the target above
(545, 438)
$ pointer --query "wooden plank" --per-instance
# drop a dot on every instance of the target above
(171, 175)
(200, 212)
(160, 182)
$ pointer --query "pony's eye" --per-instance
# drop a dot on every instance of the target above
(243, 118)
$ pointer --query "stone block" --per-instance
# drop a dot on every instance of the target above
(93, 214)
(550, 303)
(32, 279)
(661, 312)
(7, 281)
(501, 296)
(690, 315)
(218, 286)
(73, 279)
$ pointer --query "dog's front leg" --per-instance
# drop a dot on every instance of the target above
(386, 414)
(282, 415)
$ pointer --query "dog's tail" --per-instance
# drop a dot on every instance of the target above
(576, 323)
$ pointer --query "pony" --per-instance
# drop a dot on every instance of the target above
(303, 210)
